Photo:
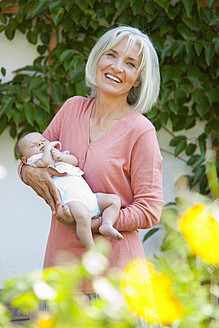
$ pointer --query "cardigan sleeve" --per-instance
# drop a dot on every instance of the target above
(146, 186)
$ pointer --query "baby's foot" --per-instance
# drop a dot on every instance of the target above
(108, 231)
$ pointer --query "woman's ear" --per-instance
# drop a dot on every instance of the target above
(136, 83)
(24, 160)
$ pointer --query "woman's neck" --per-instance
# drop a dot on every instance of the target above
(108, 107)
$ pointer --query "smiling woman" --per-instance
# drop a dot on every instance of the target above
(116, 146)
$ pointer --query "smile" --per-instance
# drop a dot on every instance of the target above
(113, 78)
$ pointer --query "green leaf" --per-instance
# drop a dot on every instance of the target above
(39, 116)
(76, 15)
(167, 50)
(3, 71)
(18, 117)
(136, 6)
(38, 8)
(123, 5)
(164, 116)
(209, 53)
(180, 147)
(35, 82)
(184, 31)
(9, 32)
(57, 16)
(198, 96)
(203, 108)
(3, 124)
(193, 75)
(214, 21)
(32, 37)
(66, 55)
(188, 4)
(173, 106)
(213, 95)
(198, 174)
(163, 4)
(152, 113)
(29, 113)
(6, 103)
(149, 7)
(150, 233)
(176, 140)
(82, 5)
(198, 47)
(43, 97)
(13, 131)
(202, 143)
(190, 149)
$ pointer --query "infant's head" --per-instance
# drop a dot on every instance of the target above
(29, 144)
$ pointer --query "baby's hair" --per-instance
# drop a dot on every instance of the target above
(17, 148)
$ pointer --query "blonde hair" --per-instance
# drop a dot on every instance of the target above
(144, 96)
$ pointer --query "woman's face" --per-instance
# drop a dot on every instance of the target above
(117, 72)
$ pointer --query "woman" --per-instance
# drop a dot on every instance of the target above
(116, 146)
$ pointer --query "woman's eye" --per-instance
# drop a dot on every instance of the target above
(111, 55)
(131, 64)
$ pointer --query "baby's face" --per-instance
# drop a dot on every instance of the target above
(33, 144)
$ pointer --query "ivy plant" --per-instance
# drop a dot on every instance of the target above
(185, 35)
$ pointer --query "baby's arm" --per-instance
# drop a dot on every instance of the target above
(47, 158)
(67, 158)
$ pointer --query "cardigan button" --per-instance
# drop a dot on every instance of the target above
(82, 161)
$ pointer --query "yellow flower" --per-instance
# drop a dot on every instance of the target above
(149, 294)
(201, 231)
(44, 320)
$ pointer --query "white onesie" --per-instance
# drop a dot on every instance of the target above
(72, 186)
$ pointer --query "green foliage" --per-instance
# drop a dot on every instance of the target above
(185, 36)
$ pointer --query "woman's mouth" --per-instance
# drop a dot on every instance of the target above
(113, 78)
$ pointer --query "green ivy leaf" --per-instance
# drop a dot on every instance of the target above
(3, 124)
(190, 149)
(214, 21)
(83, 5)
(3, 71)
(163, 4)
(136, 6)
(188, 4)
(38, 8)
(176, 140)
(213, 95)
(149, 7)
(198, 96)
(180, 147)
(204, 107)
(173, 106)
(202, 143)
(198, 47)
(32, 37)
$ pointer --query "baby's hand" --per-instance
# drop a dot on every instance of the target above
(55, 153)
(56, 144)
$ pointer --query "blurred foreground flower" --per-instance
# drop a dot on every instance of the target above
(149, 294)
(44, 320)
(200, 227)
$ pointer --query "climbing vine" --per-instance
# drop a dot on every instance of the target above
(184, 32)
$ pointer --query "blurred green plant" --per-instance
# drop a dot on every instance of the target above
(184, 32)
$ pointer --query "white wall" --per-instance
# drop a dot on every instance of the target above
(24, 217)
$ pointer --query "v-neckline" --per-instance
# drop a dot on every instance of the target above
(108, 132)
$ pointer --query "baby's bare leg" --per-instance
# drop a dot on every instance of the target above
(82, 217)
(110, 206)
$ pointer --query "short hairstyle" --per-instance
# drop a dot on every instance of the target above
(144, 96)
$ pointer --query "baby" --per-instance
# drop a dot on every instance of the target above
(34, 150)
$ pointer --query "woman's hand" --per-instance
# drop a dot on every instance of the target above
(63, 215)
(40, 180)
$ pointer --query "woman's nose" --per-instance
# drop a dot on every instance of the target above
(117, 66)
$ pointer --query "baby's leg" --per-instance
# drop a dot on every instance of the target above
(82, 217)
(110, 206)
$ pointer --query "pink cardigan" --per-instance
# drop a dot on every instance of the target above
(126, 161)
